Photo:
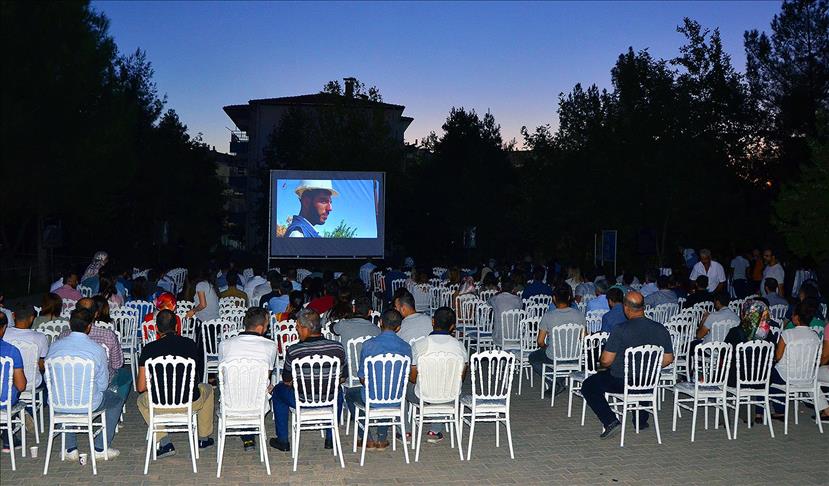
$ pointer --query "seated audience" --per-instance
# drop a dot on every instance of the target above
(233, 290)
(600, 302)
(561, 314)
(700, 292)
(358, 325)
(168, 343)
(721, 313)
(415, 325)
(7, 350)
(24, 317)
(772, 295)
(164, 301)
(755, 323)
(50, 308)
(537, 286)
(616, 315)
(278, 299)
(296, 300)
(663, 294)
(69, 290)
(78, 344)
(501, 302)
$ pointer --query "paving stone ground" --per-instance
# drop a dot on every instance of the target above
(550, 448)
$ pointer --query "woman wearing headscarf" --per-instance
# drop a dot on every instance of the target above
(165, 301)
(98, 260)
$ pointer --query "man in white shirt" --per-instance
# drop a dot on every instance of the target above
(254, 282)
(24, 316)
(721, 313)
(739, 278)
(251, 344)
(415, 325)
(440, 340)
(711, 269)
(773, 270)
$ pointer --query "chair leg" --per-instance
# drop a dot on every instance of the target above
(193, 445)
(676, 409)
(150, 440)
(92, 449)
(570, 398)
(767, 417)
(471, 435)
(10, 433)
(458, 432)
(786, 414)
(509, 435)
(419, 434)
(694, 419)
(403, 436)
(263, 440)
(356, 419)
(583, 410)
(337, 444)
(296, 442)
(49, 446)
(624, 422)
(104, 433)
(656, 423)
(220, 452)
(725, 419)
(749, 418)
(365, 436)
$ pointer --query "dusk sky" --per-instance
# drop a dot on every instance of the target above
(511, 58)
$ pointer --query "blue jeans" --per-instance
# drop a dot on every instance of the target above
(283, 400)
(412, 397)
(112, 403)
(354, 395)
(121, 383)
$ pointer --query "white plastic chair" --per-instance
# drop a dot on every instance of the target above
(352, 354)
(511, 329)
(801, 380)
(51, 334)
(593, 324)
(706, 306)
(8, 422)
(546, 300)
(592, 347)
(142, 307)
(753, 361)
(31, 396)
(778, 312)
(484, 320)
(243, 386)
(69, 384)
(170, 399)
(529, 343)
(284, 337)
(565, 340)
(439, 389)
(316, 382)
(233, 301)
(535, 309)
(386, 377)
(642, 367)
(58, 325)
(596, 314)
(720, 329)
(211, 337)
(712, 362)
(492, 373)
(149, 332)
(685, 330)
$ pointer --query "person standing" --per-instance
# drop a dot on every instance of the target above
(773, 270)
(739, 275)
(756, 270)
(711, 269)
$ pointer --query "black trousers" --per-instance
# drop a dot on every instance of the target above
(593, 390)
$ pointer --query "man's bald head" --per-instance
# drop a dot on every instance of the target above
(634, 305)
(85, 303)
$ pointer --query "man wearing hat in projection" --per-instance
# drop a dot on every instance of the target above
(315, 206)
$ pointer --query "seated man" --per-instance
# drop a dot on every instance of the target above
(120, 378)
(278, 298)
(415, 325)
(664, 295)
(537, 286)
(721, 313)
(560, 315)
(501, 302)
(700, 292)
(600, 302)
(311, 342)
(771, 286)
(168, 343)
(637, 331)
(24, 316)
(251, 344)
(69, 289)
(359, 325)
(386, 342)
(79, 345)
(616, 314)
(18, 378)
(232, 279)
(441, 339)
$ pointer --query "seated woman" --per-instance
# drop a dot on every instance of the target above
(50, 308)
(755, 324)
(165, 301)
(296, 300)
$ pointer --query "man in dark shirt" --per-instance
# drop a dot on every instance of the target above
(636, 331)
(171, 344)
(701, 293)
(537, 286)
(311, 342)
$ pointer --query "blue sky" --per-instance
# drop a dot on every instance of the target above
(512, 58)
(354, 205)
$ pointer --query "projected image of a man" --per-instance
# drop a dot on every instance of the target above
(315, 200)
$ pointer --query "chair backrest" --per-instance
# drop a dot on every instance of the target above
(142, 306)
(534, 309)
(185, 305)
(69, 381)
(316, 380)
(6, 377)
(397, 283)
(149, 332)
(593, 324)
(596, 313)
(352, 350)
(28, 351)
(105, 325)
(413, 340)
(666, 311)
(492, 373)
(85, 291)
(386, 377)
(642, 368)
(125, 320)
(211, 334)
(243, 384)
(592, 347)
(566, 342)
(720, 329)
(706, 306)
(802, 359)
(67, 306)
(547, 300)
(58, 325)
(754, 362)
(467, 305)
(712, 361)
(529, 335)
(232, 301)
(511, 324)
(51, 334)
(439, 377)
(735, 305)
(778, 312)
(485, 295)
(285, 337)
(684, 331)
(188, 324)
(170, 381)
(484, 318)
(234, 314)
(229, 331)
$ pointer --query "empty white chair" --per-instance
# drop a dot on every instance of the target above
(386, 377)
(8, 423)
(565, 341)
(753, 361)
(352, 354)
(142, 307)
(32, 396)
(483, 330)
(69, 390)
(511, 329)
(243, 387)
(800, 374)
(492, 373)
(592, 347)
(642, 366)
(316, 383)
(211, 332)
(439, 388)
(170, 400)
(685, 329)
(712, 362)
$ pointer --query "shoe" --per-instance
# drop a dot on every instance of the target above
(823, 418)
(642, 426)
(165, 451)
(249, 445)
(17, 445)
(434, 438)
(381, 445)
(110, 453)
(204, 444)
(278, 445)
(611, 429)
(329, 443)
(72, 455)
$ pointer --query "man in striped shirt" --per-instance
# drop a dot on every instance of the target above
(311, 342)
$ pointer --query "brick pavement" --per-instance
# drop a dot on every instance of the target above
(549, 449)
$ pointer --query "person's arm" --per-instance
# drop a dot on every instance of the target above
(41, 365)
(719, 287)
(141, 382)
(607, 358)
(667, 359)
(200, 306)
(116, 354)
(702, 331)
(413, 374)
(781, 349)
(542, 338)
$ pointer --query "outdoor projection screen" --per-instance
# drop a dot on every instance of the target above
(324, 214)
